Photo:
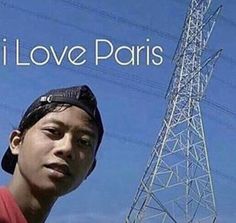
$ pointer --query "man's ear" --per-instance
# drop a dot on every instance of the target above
(15, 141)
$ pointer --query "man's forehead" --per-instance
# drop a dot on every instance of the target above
(72, 116)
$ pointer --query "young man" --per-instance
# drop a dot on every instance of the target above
(50, 154)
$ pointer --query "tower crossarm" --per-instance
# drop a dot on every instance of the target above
(205, 70)
(195, 6)
(206, 29)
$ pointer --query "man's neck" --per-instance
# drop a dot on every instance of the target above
(35, 206)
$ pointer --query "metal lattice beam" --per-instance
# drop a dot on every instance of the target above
(177, 185)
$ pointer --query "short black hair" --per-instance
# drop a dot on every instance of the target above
(39, 113)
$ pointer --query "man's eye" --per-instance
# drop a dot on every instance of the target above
(53, 131)
(85, 142)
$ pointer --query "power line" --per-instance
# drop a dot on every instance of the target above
(60, 22)
(141, 143)
(123, 138)
(221, 17)
(227, 83)
(220, 107)
(52, 19)
(122, 20)
(229, 126)
(211, 103)
(148, 92)
(119, 19)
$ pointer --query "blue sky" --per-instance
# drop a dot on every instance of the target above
(131, 98)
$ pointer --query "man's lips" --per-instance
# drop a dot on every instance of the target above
(58, 167)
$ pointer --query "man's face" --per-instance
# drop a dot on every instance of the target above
(57, 152)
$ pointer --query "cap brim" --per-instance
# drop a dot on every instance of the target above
(9, 161)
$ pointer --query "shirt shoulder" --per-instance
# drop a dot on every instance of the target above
(9, 210)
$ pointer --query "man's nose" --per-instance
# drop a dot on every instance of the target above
(64, 147)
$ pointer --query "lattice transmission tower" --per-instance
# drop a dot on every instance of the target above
(177, 184)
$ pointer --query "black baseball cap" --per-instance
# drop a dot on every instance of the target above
(80, 96)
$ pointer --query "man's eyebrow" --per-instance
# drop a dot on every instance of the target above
(89, 130)
(56, 121)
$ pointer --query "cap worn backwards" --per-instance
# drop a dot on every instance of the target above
(80, 96)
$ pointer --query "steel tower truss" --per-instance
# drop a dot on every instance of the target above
(177, 184)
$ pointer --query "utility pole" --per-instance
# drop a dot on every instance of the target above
(177, 185)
